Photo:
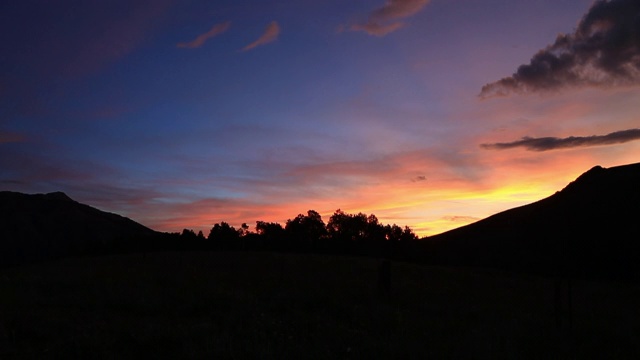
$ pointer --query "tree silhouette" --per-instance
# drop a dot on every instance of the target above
(358, 234)
(347, 227)
(272, 234)
(365, 235)
(188, 234)
(304, 232)
(224, 236)
(375, 240)
(244, 229)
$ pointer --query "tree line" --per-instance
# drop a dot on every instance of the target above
(344, 233)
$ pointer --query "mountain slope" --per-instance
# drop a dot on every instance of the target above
(590, 228)
(44, 226)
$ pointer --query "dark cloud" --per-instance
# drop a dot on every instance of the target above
(12, 182)
(419, 178)
(604, 51)
(554, 143)
(465, 219)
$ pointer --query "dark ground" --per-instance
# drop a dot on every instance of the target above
(266, 305)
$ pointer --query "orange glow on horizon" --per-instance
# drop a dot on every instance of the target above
(426, 211)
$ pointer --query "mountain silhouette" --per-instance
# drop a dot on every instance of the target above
(591, 228)
(45, 226)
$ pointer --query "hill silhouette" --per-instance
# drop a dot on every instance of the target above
(590, 228)
(44, 226)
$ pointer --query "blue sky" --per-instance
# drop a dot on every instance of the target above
(186, 113)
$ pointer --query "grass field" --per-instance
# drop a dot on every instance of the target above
(265, 305)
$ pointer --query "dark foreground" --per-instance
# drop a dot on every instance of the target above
(263, 305)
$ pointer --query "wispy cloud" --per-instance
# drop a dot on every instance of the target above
(604, 51)
(376, 29)
(458, 218)
(554, 143)
(10, 137)
(270, 34)
(104, 32)
(387, 19)
(103, 36)
(202, 38)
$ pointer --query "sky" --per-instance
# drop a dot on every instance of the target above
(427, 113)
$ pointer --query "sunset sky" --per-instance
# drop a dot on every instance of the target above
(426, 113)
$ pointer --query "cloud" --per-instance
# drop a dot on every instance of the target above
(457, 218)
(270, 35)
(419, 178)
(202, 38)
(377, 29)
(604, 51)
(553, 143)
(102, 35)
(10, 137)
(385, 19)
(73, 38)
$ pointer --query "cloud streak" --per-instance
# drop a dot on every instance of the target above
(387, 19)
(554, 143)
(202, 38)
(270, 34)
(604, 51)
(11, 137)
(458, 218)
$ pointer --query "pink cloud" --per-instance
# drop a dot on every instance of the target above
(385, 19)
(398, 9)
(383, 187)
(270, 34)
(202, 38)
(376, 29)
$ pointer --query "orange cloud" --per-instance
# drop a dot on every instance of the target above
(450, 196)
(202, 38)
(270, 34)
(432, 189)
(384, 20)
